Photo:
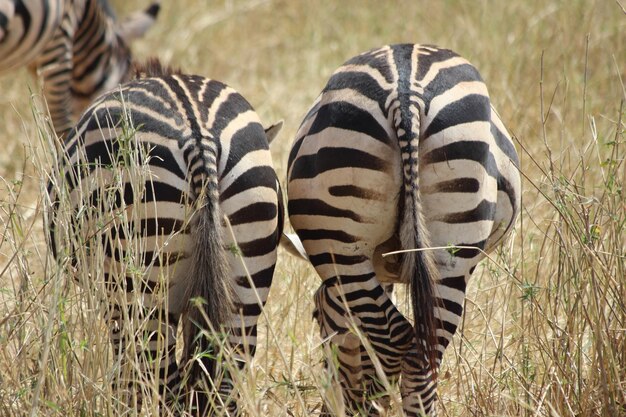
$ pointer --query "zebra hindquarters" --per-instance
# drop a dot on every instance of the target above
(123, 228)
(252, 219)
(428, 108)
(343, 203)
(174, 205)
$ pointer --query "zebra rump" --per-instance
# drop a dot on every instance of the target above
(400, 173)
(205, 201)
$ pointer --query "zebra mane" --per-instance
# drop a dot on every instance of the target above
(153, 67)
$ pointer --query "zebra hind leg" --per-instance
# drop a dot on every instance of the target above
(151, 347)
(418, 386)
(364, 392)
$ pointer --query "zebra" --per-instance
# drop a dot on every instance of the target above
(76, 46)
(402, 151)
(209, 214)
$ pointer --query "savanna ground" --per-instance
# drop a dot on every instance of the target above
(544, 328)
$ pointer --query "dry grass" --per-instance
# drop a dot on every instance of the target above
(544, 331)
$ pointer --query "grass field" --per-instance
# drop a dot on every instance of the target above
(544, 328)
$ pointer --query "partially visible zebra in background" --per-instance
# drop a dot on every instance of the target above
(209, 216)
(76, 46)
(402, 150)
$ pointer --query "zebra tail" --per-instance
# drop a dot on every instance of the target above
(209, 297)
(417, 267)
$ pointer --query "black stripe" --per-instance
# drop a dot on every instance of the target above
(258, 176)
(327, 258)
(234, 105)
(318, 207)
(154, 98)
(447, 326)
(161, 156)
(457, 185)
(364, 294)
(451, 306)
(59, 72)
(54, 53)
(348, 279)
(255, 212)
(249, 138)
(319, 234)
(212, 90)
(326, 159)
(157, 191)
(375, 60)
(88, 28)
(146, 259)
(469, 252)
(148, 227)
(458, 283)
(465, 149)
(485, 210)
(505, 186)
(261, 279)
(471, 108)
(175, 85)
(259, 247)
(362, 82)
(190, 117)
(355, 191)
(160, 258)
(161, 226)
(154, 191)
(140, 90)
(250, 310)
(427, 58)
(443, 341)
(338, 308)
(347, 116)
(448, 78)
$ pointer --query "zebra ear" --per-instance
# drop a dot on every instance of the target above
(273, 130)
(137, 24)
(292, 244)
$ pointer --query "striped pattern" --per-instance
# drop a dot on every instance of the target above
(205, 159)
(75, 45)
(25, 28)
(401, 150)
